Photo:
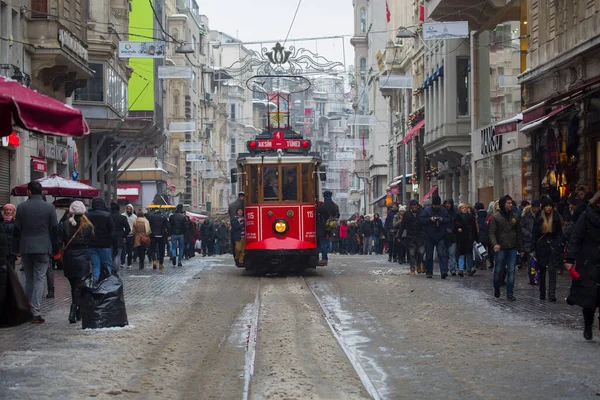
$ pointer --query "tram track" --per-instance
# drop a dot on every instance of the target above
(311, 303)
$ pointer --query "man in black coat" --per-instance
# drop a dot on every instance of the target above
(389, 229)
(100, 247)
(122, 230)
(414, 236)
(36, 230)
(178, 224)
(208, 238)
(159, 226)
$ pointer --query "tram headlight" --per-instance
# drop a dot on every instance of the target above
(280, 226)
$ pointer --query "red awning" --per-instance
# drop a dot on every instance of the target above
(430, 193)
(414, 132)
(35, 112)
(57, 186)
(128, 191)
(538, 122)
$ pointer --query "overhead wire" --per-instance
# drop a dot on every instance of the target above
(292, 24)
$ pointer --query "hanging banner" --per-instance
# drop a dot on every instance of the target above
(141, 50)
(174, 72)
(445, 30)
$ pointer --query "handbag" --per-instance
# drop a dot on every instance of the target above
(59, 256)
(480, 251)
(145, 241)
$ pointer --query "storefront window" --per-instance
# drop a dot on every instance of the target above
(485, 180)
(512, 171)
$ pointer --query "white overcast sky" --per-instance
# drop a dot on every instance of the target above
(257, 20)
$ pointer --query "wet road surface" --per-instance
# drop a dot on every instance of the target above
(359, 328)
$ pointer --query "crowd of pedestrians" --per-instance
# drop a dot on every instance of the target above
(91, 240)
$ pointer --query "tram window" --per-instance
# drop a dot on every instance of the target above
(290, 183)
(271, 183)
(253, 184)
(308, 195)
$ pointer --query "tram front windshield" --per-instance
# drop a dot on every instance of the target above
(280, 183)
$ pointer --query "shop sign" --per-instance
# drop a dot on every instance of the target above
(69, 41)
(490, 141)
(39, 165)
(141, 49)
(445, 30)
(506, 128)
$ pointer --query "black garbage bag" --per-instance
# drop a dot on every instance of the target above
(14, 304)
(102, 302)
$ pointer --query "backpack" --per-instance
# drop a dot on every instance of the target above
(330, 225)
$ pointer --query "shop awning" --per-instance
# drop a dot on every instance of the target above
(430, 193)
(57, 186)
(508, 125)
(128, 191)
(537, 123)
(414, 132)
(35, 112)
(377, 200)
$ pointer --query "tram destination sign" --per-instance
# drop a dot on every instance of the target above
(285, 144)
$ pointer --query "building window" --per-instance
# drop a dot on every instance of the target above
(363, 70)
(232, 146)
(41, 6)
(176, 104)
(116, 91)
(94, 90)
(363, 20)
(462, 86)
(232, 112)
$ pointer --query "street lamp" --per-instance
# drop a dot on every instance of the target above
(404, 33)
(184, 48)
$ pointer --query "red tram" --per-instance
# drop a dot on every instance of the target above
(281, 179)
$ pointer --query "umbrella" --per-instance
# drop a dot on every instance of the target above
(196, 217)
(35, 112)
(57, 186)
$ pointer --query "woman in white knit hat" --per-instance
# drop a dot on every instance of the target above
(74, 234)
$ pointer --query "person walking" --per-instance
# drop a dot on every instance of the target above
(391, 231)
(177, 226)
(378, 233)
(343, 237)
(35, 232)
(75, 235)
(506, 239)
(366, 231)
(141, 237)
(8, 219)
(450, 240)
(159, 226)
(127, 253)
(465, 230)
(100, 246)
(583, 264)
(528, 218)
(238, 233)
(208, 239)
(122, 230)
(321, 233)
(435, 222)
(482, 229)
(546, 246)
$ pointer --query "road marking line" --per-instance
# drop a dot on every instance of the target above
(251, 345)
(354, 361)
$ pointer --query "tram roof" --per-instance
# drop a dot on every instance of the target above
(271, 159)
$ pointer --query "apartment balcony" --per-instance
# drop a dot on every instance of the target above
(481, 15)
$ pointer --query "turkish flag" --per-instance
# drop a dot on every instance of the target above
(388, 15)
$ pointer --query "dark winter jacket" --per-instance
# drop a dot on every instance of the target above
(389, 220)
(378, 227)
(121, 224)
(452, 213)
(584, 250)
(547, 246)
(322, 217)
(103, 225)
(3, 244)
(177, 223)
(76, 258)
(207, 231)
(224, 234)
(505, 230)
(238, 229)
(332, 209)
(159, 224)
(366, 229)
(438, 229)
(527, 224)
(410, 224)
(8, 228)
(483, 226)
(467, 234)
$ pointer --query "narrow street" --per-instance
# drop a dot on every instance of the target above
(360, 328)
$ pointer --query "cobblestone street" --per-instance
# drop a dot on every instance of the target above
(411, 337)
